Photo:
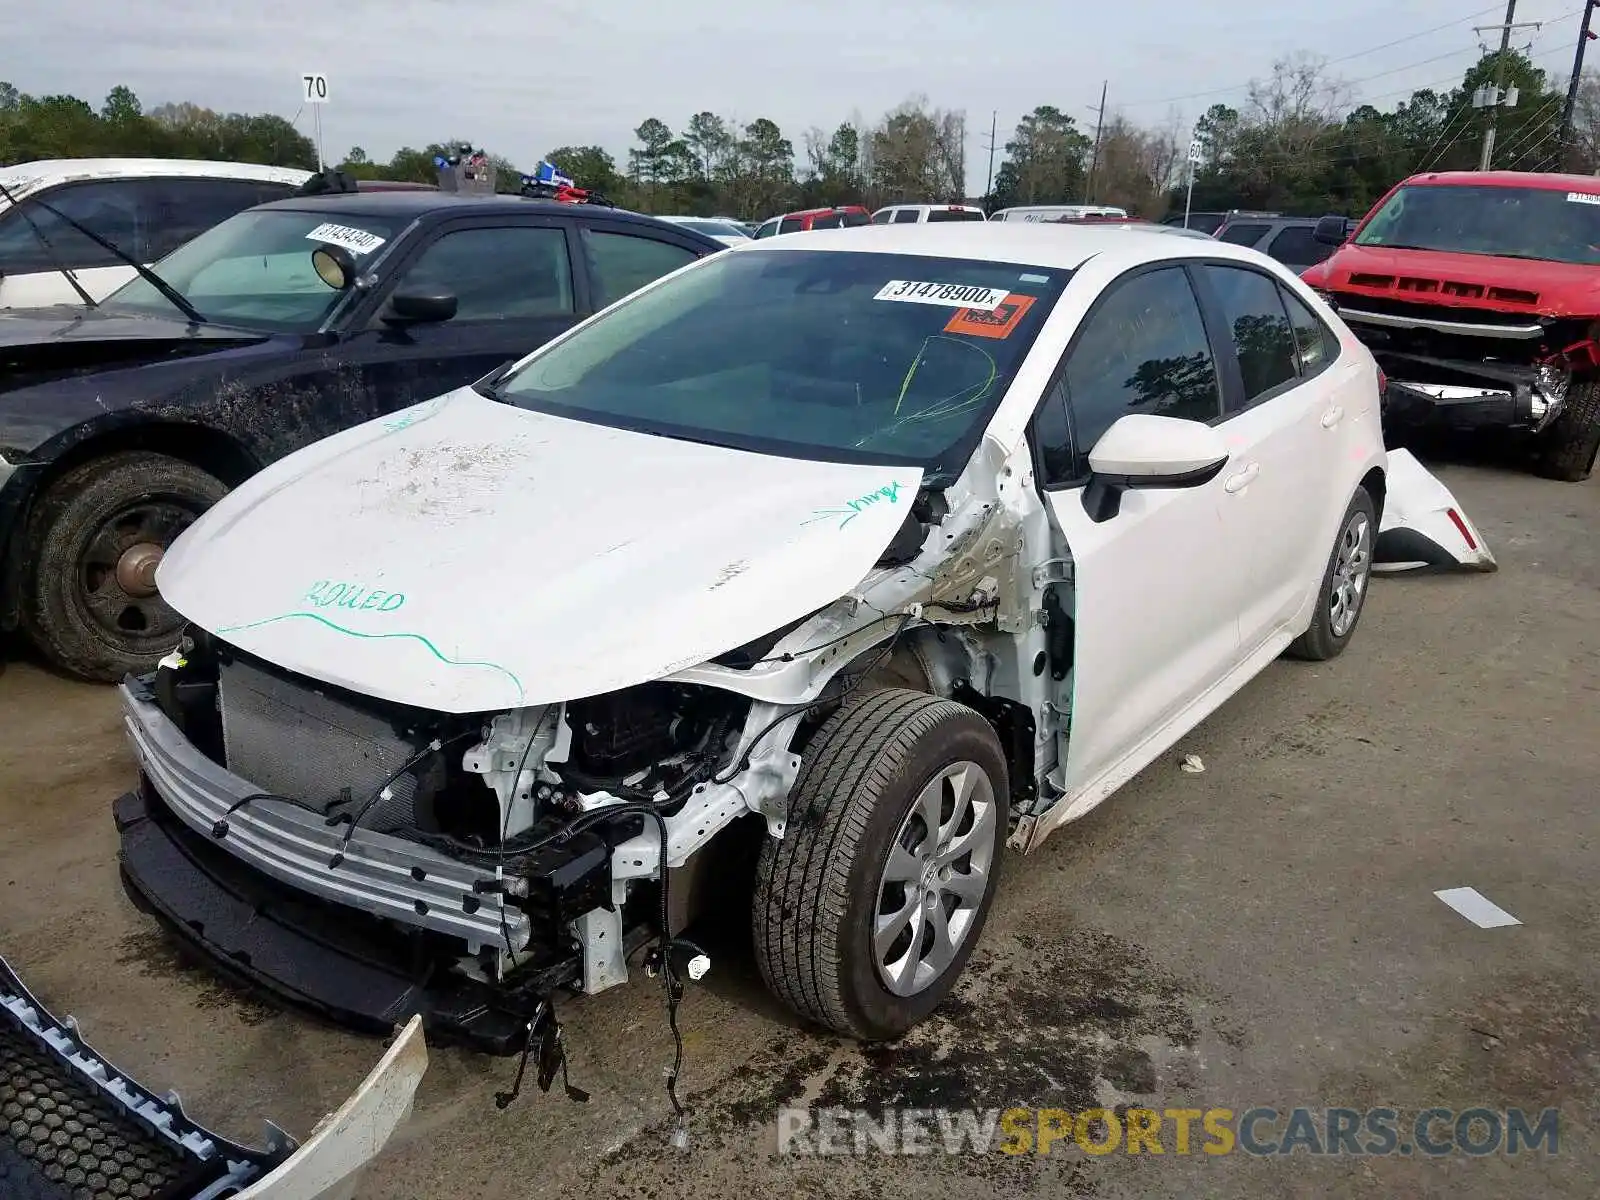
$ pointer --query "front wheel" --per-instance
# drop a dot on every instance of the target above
(868, 907)
(1567, 449)
(95, 539)
(1343, 593)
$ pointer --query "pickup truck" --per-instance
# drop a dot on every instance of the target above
(1479, 294)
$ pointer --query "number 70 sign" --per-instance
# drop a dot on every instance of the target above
(314, 87)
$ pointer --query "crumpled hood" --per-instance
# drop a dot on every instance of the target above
(467, 555)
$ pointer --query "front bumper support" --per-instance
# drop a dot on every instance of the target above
(348, 967)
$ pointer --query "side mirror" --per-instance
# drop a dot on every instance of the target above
(1332, 230)
(420, 306)
(1145, 451)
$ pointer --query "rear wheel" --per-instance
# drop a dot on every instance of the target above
(95, 539)
(868, 907)
(1344, 584)
(1566, 450)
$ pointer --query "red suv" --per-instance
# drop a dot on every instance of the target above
(843, 216)
(1479, 295)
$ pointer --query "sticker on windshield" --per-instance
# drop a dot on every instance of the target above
(950, 295)
(998, 322)
(357, 241)
(1582, 198)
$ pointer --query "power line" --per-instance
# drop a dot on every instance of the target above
(1329, 62)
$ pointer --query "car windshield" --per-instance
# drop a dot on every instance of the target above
(836, 355)
(1510, 222)
(255, 269)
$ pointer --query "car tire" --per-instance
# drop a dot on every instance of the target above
(855, 840)
(95, 535)
(1566, 449)
(1342, 596)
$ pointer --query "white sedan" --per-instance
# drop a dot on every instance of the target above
(724, 229)
(908, 544)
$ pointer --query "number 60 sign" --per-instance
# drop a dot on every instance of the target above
(314, 87)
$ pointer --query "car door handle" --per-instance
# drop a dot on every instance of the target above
(1332, 417)
(1242, 480)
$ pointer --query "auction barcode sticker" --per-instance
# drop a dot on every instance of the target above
(1582, 198)
(357, 241)
(950, 295)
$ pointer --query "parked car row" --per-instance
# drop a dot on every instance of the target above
(121, 423)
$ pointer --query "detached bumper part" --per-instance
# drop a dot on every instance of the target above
(75, 1125)
(1423, 527)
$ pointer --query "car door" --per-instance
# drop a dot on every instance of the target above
(34, 242)
(620, 257)
(1272, 424)
(1155, 587)
(514, 287)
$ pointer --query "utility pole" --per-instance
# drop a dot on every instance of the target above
(1094, 157)
(1495, 96)
(988, 184)
(1584, 36)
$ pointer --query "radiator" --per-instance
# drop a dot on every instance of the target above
(287, 738)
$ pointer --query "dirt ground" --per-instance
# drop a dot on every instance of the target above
(1262, 934)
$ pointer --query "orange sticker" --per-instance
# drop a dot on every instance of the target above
(999, 323)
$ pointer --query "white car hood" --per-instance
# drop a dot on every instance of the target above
(466, 555)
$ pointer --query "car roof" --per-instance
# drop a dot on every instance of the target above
(408, 204)
(50, 171)
(1063, 247)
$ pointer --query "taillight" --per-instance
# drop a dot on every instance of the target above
(1455, 519)
(1383, 382)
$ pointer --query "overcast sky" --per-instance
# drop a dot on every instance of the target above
(521, 78)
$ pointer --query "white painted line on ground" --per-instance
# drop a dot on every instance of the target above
(1477, 908)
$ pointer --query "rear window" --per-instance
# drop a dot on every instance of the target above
(954, 214)
(1243, 235)
(842, 356)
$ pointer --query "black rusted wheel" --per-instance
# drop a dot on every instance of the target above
(97, 535)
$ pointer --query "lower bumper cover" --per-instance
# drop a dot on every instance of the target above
(349, 968)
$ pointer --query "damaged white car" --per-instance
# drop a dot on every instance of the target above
(905, 544)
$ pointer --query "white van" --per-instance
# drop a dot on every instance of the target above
(1057, 212)
(912, 214)
(147, 207)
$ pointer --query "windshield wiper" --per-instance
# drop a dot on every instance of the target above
(173, 295)
(49, 250)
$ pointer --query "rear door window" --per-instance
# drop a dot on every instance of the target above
(1297, 248)
(1254, 310)
(1315, 344)
(620, 263)
(1243, 235)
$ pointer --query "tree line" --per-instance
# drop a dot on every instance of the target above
(1297, 142)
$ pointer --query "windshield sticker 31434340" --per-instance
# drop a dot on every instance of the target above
(357, 241)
